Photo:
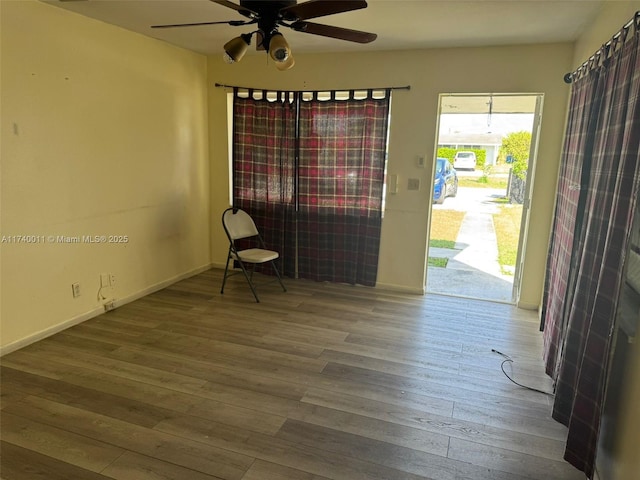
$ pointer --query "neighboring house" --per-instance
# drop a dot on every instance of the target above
(489, 142)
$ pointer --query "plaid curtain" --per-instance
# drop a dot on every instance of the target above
(341, 177)
(264, 167)
(587, 255)
(578, 143)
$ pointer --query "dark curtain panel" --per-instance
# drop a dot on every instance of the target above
(263, 169)
(586, 259)
(578, 144)
(341, 177)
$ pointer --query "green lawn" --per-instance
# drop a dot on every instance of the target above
(445, 225)
(491, 182)
(507, 226)
(438, 262)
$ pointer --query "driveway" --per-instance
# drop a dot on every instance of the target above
(473, 200)
(473, 269)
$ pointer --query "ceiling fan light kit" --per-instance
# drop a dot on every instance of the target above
(235, 48)
(279, 50)
(287, 64)
(271, 15)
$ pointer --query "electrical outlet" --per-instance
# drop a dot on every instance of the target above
(413, 184)
(105, 280)
(110, 305)
(75, 289)
(112, 279)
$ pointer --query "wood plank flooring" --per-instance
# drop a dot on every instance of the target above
(322, 382)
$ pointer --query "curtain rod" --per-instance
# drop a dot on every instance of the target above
(406, 87)
(606, 49)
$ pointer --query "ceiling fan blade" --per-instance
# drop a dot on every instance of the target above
(234, 23)
(320, 8)
(334, 32)
(244, 11)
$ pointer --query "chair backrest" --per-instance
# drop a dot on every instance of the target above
(238, 224)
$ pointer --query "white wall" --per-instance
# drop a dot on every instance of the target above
(517, 69)
(104, 132)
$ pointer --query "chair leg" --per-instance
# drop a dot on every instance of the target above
(246, 275)
(273, 264)
(249, 276)
(226, 269)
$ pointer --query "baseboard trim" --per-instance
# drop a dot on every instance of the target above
(160, 285)
(528, 306)
(47, 332)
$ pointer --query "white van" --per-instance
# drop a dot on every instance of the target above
(464, 160)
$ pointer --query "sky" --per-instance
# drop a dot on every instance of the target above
(499, 123)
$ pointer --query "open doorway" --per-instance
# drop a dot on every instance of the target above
(484, 167)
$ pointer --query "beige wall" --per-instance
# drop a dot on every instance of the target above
(613, 15)
(524, 69)
(628, 467)
(104, 132)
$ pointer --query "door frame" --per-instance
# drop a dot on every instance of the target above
(529, 182)
(526, 208)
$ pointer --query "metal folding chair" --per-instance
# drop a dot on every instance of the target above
(238, 225)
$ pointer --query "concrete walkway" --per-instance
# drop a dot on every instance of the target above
(473, 270)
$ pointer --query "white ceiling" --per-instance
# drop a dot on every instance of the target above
(400, 24)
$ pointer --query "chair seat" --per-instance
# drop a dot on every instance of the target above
(257, 255)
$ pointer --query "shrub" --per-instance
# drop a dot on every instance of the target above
(486, 171)
(517, 144)
(447, 153)
(450, 153)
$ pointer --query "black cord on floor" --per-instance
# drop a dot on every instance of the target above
(508, 359)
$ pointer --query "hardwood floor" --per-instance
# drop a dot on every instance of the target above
(322, 382)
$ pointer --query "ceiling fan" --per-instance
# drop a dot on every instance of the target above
(271, 15)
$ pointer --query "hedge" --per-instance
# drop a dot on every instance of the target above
(450, 153)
